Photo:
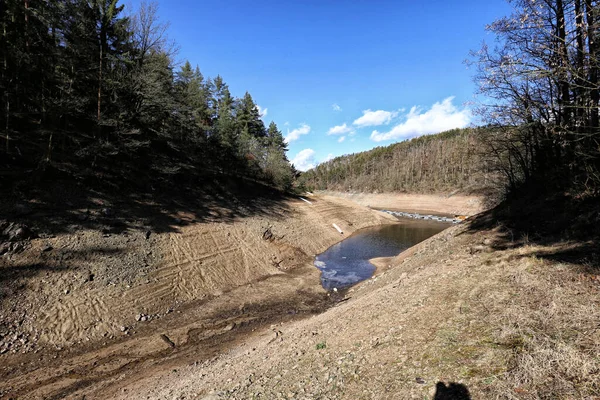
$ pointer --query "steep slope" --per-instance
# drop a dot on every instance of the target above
(87, 309)
(460, 313)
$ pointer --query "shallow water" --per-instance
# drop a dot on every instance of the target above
(347, 262)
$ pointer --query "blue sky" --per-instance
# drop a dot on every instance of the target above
(339, 77)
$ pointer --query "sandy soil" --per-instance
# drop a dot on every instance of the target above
(454, 316)
(94, 306)
(418, 203)
(465, 311)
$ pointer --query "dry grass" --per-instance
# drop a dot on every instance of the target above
(506, 324)
(550, 321)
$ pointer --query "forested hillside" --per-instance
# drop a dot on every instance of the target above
(93, 92)
(435, 163)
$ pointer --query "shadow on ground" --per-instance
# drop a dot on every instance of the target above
(566, 230)
(58, 201)
(451, 391)
(122, 207)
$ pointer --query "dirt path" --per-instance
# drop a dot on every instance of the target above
(206, 289)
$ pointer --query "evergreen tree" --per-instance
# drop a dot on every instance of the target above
(193, 99)
(248, 117)
(275, 138)
(74, 67)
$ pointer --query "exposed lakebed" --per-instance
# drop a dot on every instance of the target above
(347, 262)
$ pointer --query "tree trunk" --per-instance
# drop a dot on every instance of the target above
(26, 2)
(580, 98)
(6, 125)
(593, 69)
(563, 63)
(102, 40)
(5, 79)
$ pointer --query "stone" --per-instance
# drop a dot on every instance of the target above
(17, 247)
(22, 233)
(4, 248)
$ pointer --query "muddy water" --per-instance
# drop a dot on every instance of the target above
(347, 262)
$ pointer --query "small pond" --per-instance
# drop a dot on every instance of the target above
(347, 262)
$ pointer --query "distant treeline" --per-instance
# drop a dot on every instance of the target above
(434, 163)
(85, 86)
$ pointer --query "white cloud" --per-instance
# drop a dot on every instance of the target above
(340, 130)
(329, 157)
(295, 134)
(440, 117)
(375, 118)
(336, 107)
(262, 111)
(305, 160)
(341, 139)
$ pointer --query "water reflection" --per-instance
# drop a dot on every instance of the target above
(347, 262)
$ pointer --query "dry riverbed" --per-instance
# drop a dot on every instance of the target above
(225, 314)
(90, 310)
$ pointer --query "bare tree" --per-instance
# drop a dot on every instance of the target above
(149, 34)
(541, 82)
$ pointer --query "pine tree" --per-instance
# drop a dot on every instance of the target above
(248, 117)
(193, 98)
(275, 138)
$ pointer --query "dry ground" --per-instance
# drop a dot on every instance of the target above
(506, 324)
(452, 204)
(81, 310)
(500, 319)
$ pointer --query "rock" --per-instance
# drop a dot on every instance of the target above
(123, 329)
(476, 249)
(148, 233)
(7, 227)
(229, 327)
(4, 248)
(47, 248)
(420, 381)
(138, 317)
(22, 233)
(17, 247)
(168, 341)
(17, 232)
(144, 318)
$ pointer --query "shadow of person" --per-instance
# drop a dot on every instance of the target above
(451, 391)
